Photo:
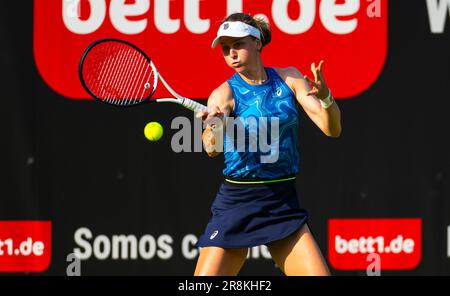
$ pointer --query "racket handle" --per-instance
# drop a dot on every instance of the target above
(193, 105)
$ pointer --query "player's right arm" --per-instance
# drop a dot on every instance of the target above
(220, 105)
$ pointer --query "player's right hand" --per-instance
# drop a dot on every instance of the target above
(211, 114)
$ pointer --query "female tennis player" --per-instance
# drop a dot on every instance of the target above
(257, 203)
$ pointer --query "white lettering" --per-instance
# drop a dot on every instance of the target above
(163, 21)
(234, 6)
(192, 17)
(379, 240)
(147, 247)
(186, 246)
(79, 236)
(396, 244)
(9, 246)
(120, 247)
(437, 14)
(119, 11)
(353, 246)
(329, 11)
(73, 8)
(340, 245)
(364, 245)
(287, 25)
(408, 246)
(165, 251)
(370, 243)
(102, 247)
(38, 248)
(26, 247)
(75, 24)
(127, 244)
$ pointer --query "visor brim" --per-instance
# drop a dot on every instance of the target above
(217, 39)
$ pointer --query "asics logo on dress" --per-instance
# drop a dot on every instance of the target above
(279, 91)
(214, 234)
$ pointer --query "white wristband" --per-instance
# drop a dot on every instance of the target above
(326, 103)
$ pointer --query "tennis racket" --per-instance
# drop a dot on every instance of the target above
(118, 73)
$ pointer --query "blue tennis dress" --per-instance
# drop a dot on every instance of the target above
(257, 202)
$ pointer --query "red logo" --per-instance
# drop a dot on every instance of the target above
(25, 246)
(350, 35)
(397, 241)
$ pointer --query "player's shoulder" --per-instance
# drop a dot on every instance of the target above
(224, 87)
(291, 76)
(223, 91)
(221, 94)
(288, 72)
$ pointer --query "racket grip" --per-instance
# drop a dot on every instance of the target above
(193, 105)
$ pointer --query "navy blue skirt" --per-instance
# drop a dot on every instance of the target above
(244, 216)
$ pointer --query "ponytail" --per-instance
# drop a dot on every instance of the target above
(264, 28)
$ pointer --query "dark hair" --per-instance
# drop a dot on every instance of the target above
(257, 22)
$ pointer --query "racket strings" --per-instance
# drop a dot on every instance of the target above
(137, 62)
(106, 71)
(118, 73)
(112, 85)
(124, 79)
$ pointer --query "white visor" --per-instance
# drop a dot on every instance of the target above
(236, 29)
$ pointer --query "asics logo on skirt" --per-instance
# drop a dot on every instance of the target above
(214, 234)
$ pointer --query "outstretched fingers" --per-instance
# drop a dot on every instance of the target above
(313, 83)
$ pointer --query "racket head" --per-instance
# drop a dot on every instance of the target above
(117, 73)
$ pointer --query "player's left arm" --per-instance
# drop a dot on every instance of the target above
(328, 120)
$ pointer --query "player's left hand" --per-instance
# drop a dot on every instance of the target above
(319, 87)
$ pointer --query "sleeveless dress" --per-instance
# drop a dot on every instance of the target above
(257, 203)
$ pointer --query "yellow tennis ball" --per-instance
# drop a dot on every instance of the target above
(153, 131)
